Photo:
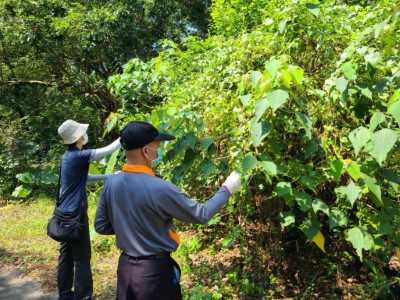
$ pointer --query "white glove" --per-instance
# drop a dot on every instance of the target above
(233, 182)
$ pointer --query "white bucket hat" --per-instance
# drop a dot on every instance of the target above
(70, 131)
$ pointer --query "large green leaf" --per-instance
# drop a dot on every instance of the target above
(272, 67)
(249, 163)
(376, 119)
(260, 107)
(25, 177)
(283, 188)
(349, 69)
(297, 74)
(336, 168)
(382, 142)
(255, 77)
(277, 98)
(354, 171)
(310, 228)
(374, 187)
(337, 218)
(305, 122)
(360, 239)
(341, 84)
(286, 218)
(206, 143)
(313, 8)
(112, 162)
(191, 140)
(245, 99)
(352, 192)
(259, 130)
(269, 167)
(208, 167)
(394, 110)
(21, 191)
(319, 205)
(231, 237)
(303, 200)
(359, 137)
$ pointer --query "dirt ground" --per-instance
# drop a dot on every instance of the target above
(15, 287)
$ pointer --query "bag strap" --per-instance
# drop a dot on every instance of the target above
(58, 188)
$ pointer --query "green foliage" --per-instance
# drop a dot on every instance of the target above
(55, 60)
(303, 101)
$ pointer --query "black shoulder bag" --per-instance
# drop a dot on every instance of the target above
(65, 227)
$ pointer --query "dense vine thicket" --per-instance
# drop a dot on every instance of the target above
(303, 99)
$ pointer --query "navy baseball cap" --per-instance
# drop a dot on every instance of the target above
(137, 134)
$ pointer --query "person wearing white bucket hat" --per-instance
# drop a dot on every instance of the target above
(72, 198)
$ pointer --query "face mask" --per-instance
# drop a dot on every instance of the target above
(85, 139)
(157, 161)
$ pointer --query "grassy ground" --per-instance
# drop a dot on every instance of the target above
(258, 263)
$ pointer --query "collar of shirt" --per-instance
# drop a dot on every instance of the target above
(137, 169)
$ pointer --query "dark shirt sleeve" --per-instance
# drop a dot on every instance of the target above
(102, 221)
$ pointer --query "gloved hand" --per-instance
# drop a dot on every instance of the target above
(233, 182)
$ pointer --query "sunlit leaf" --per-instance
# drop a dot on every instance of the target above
(249, 163)
(394, 110)
(206, 143)
(283, 188)
(337, 218)
(376, 119)
(260, 107)
(245, 99)
(304, 200)
(282, 25)
(286, 218)
(255, 77)
(268, 167)
(191, 140)
(273, 66)
(277, 98)
(310, 228)
(259, 130)
(21, 191)
(373, 187)
(349, 70)
(359, 137)
(354, 171)
(360, 239)
(352, 192)
(231, 237)
(25, 177)
(313, 8)
(383, 141)
(297, 73)
(336, 168)
(319, 205)
(341, 84)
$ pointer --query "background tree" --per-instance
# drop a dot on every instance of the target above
(56, 57)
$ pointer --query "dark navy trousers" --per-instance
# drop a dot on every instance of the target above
(148, 279)
(74, 269)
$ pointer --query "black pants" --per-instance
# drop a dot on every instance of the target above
(75, 255)
(150, 279)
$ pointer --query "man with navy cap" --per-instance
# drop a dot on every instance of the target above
(139, 208)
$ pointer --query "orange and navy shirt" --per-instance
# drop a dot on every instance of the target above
(139, 208)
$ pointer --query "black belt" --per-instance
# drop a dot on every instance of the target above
(155, 256)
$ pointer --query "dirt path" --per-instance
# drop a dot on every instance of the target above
(15, 287)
